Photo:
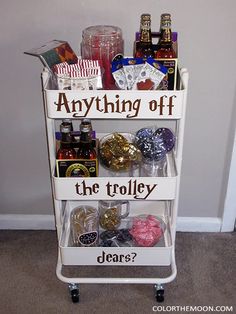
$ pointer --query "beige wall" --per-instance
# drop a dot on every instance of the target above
(206, 47)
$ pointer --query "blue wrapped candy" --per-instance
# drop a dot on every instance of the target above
(155, 143)
(150, 144)
(168, 138)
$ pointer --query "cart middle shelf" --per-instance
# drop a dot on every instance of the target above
(117, 187)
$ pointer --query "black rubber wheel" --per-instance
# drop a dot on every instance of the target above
(75, 295)
(160, 295)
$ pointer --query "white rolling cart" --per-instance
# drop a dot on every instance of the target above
(159, 194)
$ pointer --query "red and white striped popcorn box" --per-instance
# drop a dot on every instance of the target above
(78, 80)
(63, 77)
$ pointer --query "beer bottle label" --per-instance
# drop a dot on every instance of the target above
(77, 168)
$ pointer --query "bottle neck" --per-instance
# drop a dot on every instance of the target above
(146, 36)
(145, 31)
(65, 140)
(166, 36)
(85, 137)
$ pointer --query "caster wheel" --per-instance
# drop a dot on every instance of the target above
(74, 292)
(75, 295)
(160, 295)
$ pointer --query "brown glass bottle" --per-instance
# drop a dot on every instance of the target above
(65, 151)
(87, 122)
(144, 48)
(164, 47)
(68, 122)
(86, 149)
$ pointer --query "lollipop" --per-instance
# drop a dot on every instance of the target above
(168, 138)
(150, 144)
(155, 143)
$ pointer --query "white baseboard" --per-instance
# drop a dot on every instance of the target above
(27, 222)
(46, 222)
(199, 224)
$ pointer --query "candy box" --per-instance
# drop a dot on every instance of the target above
(54, 52)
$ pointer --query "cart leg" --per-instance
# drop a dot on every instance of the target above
(159, 293)
(74, 292)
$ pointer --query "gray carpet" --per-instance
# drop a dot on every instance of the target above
(206, 276)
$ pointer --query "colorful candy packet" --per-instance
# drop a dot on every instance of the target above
(132, 67)
(119, 74)
(150, 76)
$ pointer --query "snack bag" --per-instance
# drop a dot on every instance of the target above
(150, 76)
(132, 67)
(119, 74)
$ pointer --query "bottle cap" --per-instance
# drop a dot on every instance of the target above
(65, 128)
(146, 17)
(166, 19)
(66, 121)
(86, 125)
(166, 16)
(86, 121)
(86, 128)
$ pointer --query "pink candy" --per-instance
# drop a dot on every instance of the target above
(146, 231)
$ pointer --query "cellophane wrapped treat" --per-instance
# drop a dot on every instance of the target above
(154, 143)
(146, 230)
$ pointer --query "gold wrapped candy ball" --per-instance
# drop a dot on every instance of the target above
(117, 153)
(110, 220)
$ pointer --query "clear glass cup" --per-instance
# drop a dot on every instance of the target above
(112, 212)
(103, 43)
(154, 168)
(84, 225)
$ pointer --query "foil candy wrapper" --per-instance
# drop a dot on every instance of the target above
(117, 153)
(154, 143)
(110, 220)
(168, 138)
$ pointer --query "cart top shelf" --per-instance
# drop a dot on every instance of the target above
(114, 104)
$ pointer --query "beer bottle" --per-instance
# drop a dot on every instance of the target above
(144, 48)
(68, 122)
(66, 151)
(87, 122)
(164, 47)
(86, 149)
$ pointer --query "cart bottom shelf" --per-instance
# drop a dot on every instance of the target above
(113, 275)
(159, 255)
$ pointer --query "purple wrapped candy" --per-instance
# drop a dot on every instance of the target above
(168, 138)
(151, 144)
(124, 235)
(108, 234)
(144, 133)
